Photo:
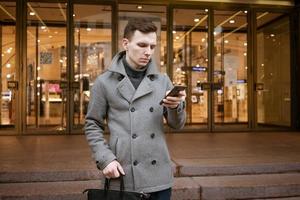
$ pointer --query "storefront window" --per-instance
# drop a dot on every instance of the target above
(273, 70)
(190, 60)
(8, 64)
(93, 42)
(230, 94)
(46, 66)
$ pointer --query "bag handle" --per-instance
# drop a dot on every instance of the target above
(107, 185)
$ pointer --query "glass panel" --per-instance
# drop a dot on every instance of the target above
(273, 70)
(93, 38)
(46, 66)
(230, 67)
(190, 61)
(157, 14)
(8, 64)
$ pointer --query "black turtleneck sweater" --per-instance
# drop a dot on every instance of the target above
(135, 76)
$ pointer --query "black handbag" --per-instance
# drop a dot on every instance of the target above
(107, 194)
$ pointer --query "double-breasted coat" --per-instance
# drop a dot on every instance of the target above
(135, 122)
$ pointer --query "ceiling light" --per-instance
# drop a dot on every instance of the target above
(139, 7)
(203, 39)
(8, 65)
(177, 37)
(31, 13)
(43, 27)
(196, 20)
(245, 54)
(173, 32)
(272, 35)
(55, 32)
(50, 36)
(245, 43)
(8, 76)
(88, 29)
(73, 15)
(245, 11)
(39, 41)
(38, 68)
(226, 41)
(232, 21)
(206, 10)
(2, 55)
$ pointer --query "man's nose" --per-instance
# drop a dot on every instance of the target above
(148, 51)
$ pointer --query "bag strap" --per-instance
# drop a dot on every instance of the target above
(122, 187)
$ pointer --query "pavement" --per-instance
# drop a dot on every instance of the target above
(212, 166)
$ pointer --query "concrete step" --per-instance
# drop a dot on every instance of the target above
(49, 176)
(233, 166)
(249, 186)
(269, 186)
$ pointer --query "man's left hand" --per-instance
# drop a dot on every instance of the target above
(173, 102)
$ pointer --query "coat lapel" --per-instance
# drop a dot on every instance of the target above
(143, 89)
(126, 89)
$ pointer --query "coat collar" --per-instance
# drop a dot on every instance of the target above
(125, 87)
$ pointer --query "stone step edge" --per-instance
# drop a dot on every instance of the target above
(184, 187)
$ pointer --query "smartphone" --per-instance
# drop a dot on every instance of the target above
(174, 92)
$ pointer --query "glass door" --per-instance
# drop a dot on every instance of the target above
(46, 71)
(230, 80)
(8, 71)
(190, 62)
(272, 74)
(92, 55)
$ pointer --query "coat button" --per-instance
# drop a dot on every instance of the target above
(151, 109)
(134, 136)
(120, 78)
(152, 135)
(135, 163)
(151, 77)
(132, 109)
(153, 162)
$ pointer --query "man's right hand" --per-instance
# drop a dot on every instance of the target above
(112, 170)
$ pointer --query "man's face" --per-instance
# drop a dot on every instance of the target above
(139, 48)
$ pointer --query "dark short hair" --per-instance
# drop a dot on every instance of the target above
(141, 24)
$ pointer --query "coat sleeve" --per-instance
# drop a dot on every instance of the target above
(175, 117)
(94, 126)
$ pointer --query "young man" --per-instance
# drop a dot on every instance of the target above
(128, 96)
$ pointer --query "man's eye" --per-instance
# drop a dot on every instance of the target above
(152, 46)
(142, 45)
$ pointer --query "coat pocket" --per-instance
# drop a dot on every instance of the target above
(113, 144)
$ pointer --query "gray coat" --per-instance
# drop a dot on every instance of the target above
(135, 123)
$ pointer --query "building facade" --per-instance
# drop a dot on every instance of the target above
(238, 59)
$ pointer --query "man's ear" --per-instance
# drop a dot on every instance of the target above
(125, 42)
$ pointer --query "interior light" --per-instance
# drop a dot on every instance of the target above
(226, 41)
(73, 15)
(55, 32)
(31, 13)
(232, 21)
(50, 36)
(38, 85)
(39, 41)
(8, 50)
(2, 55)
(177, 37)
(8, 76)
(245, 43)
(197, 65)
(245, 11)
(88, 29)
(173, 32)
(139, 7)
(245, 54)
(38, 68)
(262, 64)
(203, 39)
(272, 35)
(206, 10)
(8, 65)
(246, 67)
(43, 27)
(38, 78)
(196, 20)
